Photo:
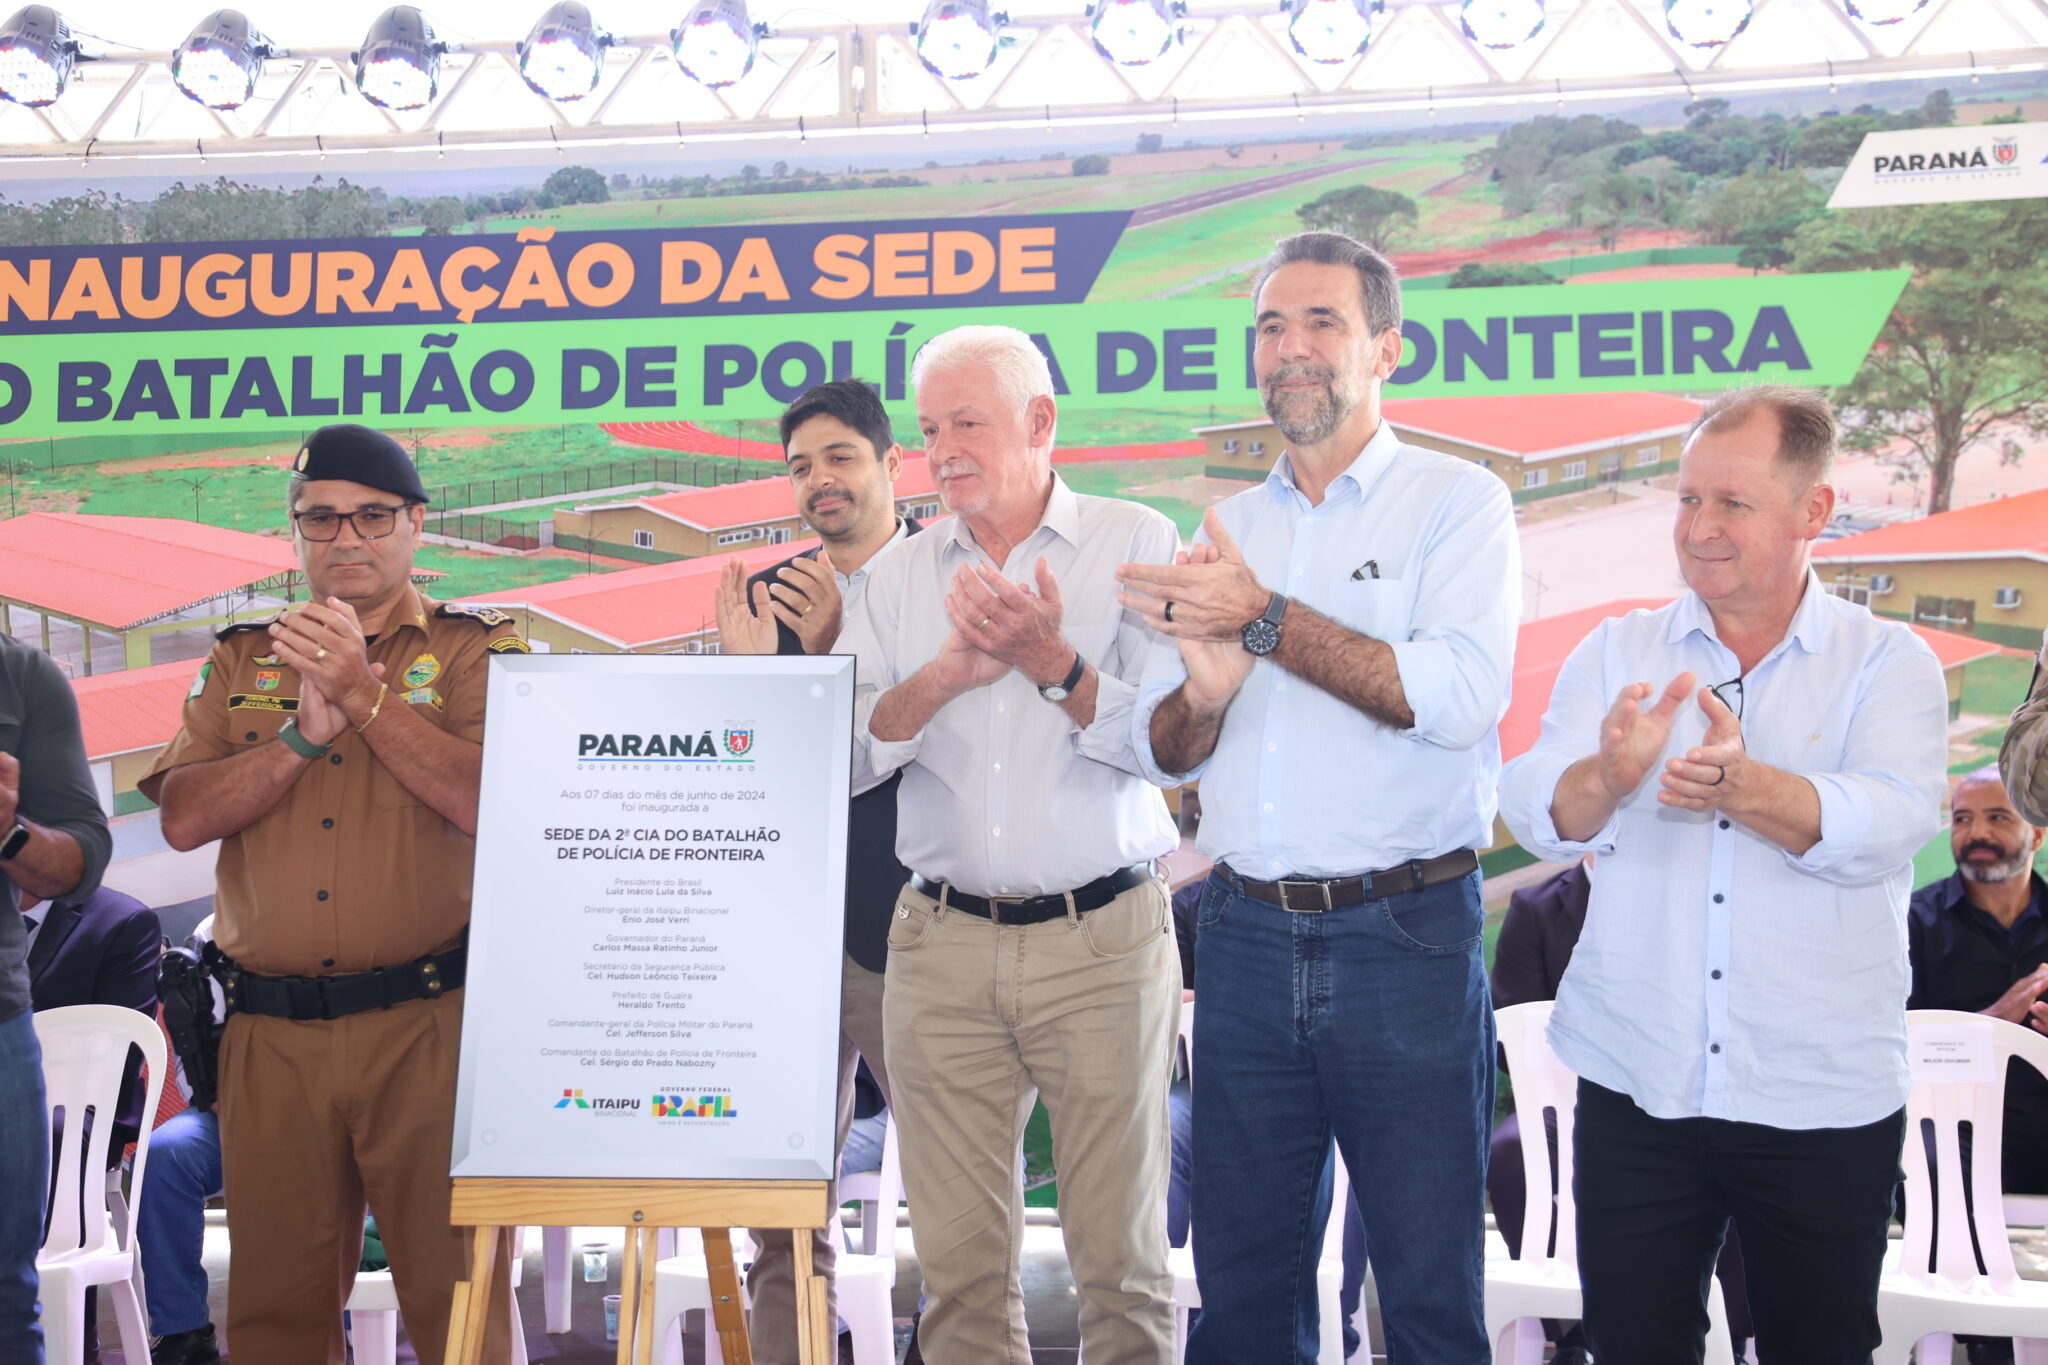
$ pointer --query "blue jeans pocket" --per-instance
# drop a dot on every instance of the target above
(1209, 910)
(1446, 918)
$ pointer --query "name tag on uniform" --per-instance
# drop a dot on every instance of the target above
(1955, 1051)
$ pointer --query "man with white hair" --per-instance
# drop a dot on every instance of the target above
(1032, 952)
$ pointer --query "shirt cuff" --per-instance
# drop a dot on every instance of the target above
(1540, 778)
(1428, 680)
(875, 759)
(1107, 738)
(1845, 820)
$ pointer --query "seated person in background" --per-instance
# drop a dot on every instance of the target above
(170, 1222)
(1979, 942)
(1536, 940)
(101, 950)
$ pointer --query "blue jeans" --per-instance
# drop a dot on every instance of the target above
(24, 1184)
(1372, 1024)
(170, 1223)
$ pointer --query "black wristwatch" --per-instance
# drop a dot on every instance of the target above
(15, 842)
(1262, 637)
(1064, 688)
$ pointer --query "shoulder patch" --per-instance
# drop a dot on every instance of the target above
(199, 680)
(481, 613)
(510, 644)
(238, 627)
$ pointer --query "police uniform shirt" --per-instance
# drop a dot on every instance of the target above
(350, 870)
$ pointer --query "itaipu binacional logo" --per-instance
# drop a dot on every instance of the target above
(576, 1099)
(716, 1106)
(572, 1099)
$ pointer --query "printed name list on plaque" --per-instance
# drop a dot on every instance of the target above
(655, 947)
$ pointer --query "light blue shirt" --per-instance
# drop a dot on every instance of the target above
(1410, 547)
(1003, 794)
(1719, 975)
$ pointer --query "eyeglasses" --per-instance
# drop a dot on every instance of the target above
(370, 523)
(1718, 689)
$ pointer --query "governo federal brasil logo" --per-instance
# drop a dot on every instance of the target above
(720, 1105)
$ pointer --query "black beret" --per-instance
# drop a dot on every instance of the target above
(359, 455)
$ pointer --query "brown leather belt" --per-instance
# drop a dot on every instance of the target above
(1308, 896)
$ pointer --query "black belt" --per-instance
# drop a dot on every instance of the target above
(331, 997)
(1036, 909)
(1309, 896)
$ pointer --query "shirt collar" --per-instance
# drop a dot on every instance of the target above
(819, 553)
(1062, 517)
(1809, 629)
(1362, 472)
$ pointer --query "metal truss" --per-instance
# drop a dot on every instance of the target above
(843, 80)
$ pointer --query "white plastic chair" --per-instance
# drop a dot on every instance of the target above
(373, 1313)
(1544, 1282)
(91, 1239)
(1935, 1288)
(865, 1281)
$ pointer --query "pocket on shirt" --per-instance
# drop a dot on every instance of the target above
(1445, 918)
(1125, 925)
(1378, 607)
(911, 925)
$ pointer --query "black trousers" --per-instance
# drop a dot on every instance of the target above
(1655, 1197)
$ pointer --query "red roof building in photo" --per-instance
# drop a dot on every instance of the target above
(1980, 570)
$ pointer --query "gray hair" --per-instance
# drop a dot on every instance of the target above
(1807, 429)
(1012, 358)
(292, 489)
(1379, 284)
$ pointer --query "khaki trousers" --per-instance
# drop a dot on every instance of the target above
(771, 1283)
(981, 1019)
(316, 1119)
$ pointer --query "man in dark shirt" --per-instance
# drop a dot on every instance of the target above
(1979, 942)
(843, 462)
(53, 843)
(100, 949)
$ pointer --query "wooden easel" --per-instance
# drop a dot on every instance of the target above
(643, 1207)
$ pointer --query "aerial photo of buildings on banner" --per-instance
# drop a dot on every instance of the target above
(587, 355)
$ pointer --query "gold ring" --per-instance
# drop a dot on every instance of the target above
(807, 610)
(319, 654)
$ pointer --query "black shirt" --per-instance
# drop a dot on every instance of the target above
(874, 876)
(1963, 959)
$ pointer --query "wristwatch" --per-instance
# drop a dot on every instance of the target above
(298, 743)
(1064, 688)
(1262, 637)
(15, 842)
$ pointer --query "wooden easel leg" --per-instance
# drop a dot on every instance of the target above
(814, 1345)
(471, 1310)
(629, 1297)
(725, 1297)
(643, 1321)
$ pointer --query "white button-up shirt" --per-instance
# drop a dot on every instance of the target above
(1408, 546)
(1003, 794)
(1719, 975)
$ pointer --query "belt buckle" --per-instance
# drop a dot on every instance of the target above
(995, 904)
(307, 992)
(1287, 904)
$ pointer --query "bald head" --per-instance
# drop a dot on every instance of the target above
(1990, 839)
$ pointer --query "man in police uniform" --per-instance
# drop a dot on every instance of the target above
(335, 754)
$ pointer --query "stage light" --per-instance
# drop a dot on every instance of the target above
(563, 53)
(957, 38)
(1880, 13)
(1501, 24)
(399, 63)
(715, 43)
(218, 64)
(1706, 23)
(1329, 31)
(36, 53)
(1134, 32)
